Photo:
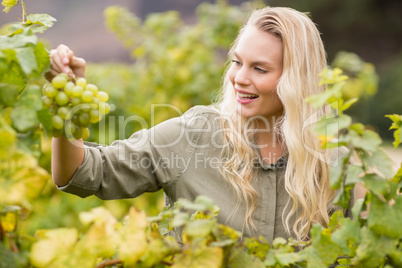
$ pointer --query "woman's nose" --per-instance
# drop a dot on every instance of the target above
(242, 77)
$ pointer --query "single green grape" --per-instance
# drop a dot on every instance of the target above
(102, 96)
(50, 91)
(87, 96)
(96, 101)
(94, 116)
(83, 120)
(63, 112)
(82, 82)
(61, 98)
(85, 133)
(77, 133)
(59, 81)
(57, 122)
(47, 101)
(45, 86)
(75, 101)
(68, 88)
(74, 119)
(92, 88)
(69, 129)
(77, 91)
(85, 107)
(104, 108)
(94, 106)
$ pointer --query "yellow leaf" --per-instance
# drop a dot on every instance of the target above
(7, 142)
(99, 214)
(101, 239)
(25, 179)
(9, 221)
(133, 243)
(53, 243)
(8, 4)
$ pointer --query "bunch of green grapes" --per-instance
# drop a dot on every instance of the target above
(74, 105)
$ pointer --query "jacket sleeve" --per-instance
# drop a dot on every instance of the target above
(146, 162)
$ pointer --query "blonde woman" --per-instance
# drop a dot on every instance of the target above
(251, 152)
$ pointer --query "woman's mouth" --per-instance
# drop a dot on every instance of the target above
(245, 98)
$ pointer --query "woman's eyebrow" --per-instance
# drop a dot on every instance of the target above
(258, 62)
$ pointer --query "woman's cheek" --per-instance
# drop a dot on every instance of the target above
(231, 74)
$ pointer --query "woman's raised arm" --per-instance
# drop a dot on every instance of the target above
(67, 155)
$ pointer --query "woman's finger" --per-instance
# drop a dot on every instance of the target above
(78, 66)
(55, 61)
(54, 65)
(65, 54)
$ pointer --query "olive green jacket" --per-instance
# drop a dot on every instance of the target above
(182, 156)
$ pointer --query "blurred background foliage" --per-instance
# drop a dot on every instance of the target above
(372, 29)
(176, 65)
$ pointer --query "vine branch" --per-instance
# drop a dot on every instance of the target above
(108, 263)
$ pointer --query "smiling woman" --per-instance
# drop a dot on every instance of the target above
(247, 152)
(276, 60)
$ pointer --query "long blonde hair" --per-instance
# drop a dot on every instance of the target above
(306, 177)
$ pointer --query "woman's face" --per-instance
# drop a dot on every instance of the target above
(255, 71)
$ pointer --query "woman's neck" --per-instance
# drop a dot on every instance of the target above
(269, 142)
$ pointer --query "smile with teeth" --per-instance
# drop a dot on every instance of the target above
(246, 96)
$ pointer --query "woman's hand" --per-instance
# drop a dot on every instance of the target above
(62, 60)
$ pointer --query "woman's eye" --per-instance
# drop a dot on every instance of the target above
(236, 62)
(260, 70)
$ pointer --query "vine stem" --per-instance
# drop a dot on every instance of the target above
(117, 261)
(24, 10)
(108, 263)
(3, 235)
(2, 232)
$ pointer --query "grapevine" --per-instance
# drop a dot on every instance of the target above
(74, 105)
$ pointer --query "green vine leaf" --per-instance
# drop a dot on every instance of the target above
(7, 257)
(373, 249)
(331, 125)
(397, 125)
(379, 159)
(347, 236)
(40, 19)
(199, 228)
(353, 174)
(239, 259)
(376, 184)
(368, 141)
(385, 219)
(18, 40)
(8, 94)
(26, 58)
(14, 75)
(24, 114)
(42, 62)
(324, 247)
